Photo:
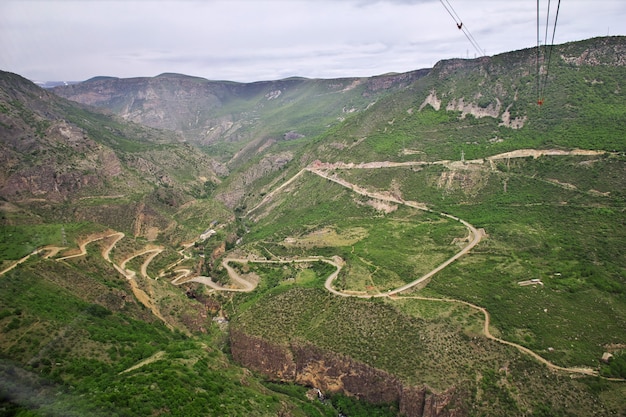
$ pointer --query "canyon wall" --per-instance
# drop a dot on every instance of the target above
(330, 372)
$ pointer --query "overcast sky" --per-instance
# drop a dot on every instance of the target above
(254, 40)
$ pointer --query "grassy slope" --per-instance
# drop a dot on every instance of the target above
(532, 234)
(69, 328)
(584, 108)
(559, 219)
(584, 246)
(72, 331)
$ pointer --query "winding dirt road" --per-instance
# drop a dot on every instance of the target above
(130, 275)
(322, 170)
(19, 261)
(475, 234)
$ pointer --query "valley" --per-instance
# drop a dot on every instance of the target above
(322, 170)
(426, 244)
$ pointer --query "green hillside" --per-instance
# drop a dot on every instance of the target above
(557, 219)
(434, 242)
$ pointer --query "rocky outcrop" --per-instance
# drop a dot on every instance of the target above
(241, 183)
(609, 51)
(491, 110)
(393, 80)
(474, 109)
(432, 101)
(330, 372)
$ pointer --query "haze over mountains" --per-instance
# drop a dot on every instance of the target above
(173, 245)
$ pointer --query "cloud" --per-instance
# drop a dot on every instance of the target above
(249, 40)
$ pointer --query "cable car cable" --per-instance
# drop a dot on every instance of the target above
(545, 81)
(542, 80)
(461, 26)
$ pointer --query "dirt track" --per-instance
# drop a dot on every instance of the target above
(476, 236)
(322, 170)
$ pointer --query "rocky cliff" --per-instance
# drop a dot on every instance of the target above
(330, 372)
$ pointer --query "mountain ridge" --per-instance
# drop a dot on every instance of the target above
(204, 111)
(403, 161)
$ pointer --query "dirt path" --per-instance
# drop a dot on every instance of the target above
(183, 273)
(106, 252)
(156, 357)
(536, 153)
(322, 170)
(487, 333)
(143, 297)
(140, 294)
(393, 295)
(247, 286)
(83, 246)
(475, 234)
(144, 265)
(271, 194)
(19, 261)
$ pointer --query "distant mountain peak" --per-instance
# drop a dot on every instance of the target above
(101, 78)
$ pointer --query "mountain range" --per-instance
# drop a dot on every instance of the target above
(443, 242)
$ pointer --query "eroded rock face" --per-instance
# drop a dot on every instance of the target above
(270, 359)
(331, 372)
(305, 364)
(268, 164)
(493, 110)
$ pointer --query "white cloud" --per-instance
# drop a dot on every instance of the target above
(249, 40)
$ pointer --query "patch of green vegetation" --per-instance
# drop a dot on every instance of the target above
(553, 218)
(403, 245)
(69, 328)
(17, 241)
(291, 274)
(37, 123)
(616, 368)
(426, 346)
(572, 248)
(105, 129)
(83, 353)
(349, 406)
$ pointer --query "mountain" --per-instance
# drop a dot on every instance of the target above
(468, 140)
(494, 101)
(58, 153)
(82, 333)
(433, 243)
(227, 116)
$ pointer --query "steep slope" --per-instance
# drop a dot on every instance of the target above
(85, 330)
(55, 150)
(230, 115)
(465, 109)
(468, 140)
(489, 105)
(387, 194)
(66, 162)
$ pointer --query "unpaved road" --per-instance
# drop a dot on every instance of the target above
(322, 170)
(140, 294)
(476, 236)
(489, 335)
(106, 252)
(19, 261)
